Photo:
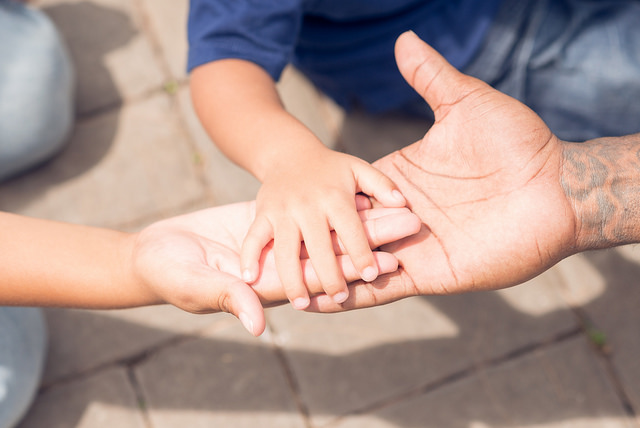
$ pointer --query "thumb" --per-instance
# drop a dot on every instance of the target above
(437, 81)
(239, 299)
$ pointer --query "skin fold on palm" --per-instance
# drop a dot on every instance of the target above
(486, 182)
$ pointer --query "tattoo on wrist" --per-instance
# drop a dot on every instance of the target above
(600, 178)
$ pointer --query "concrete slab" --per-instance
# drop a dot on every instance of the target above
(168, 22)
(81, 341)
(118, 168)
(228, 379)
(560, 385)
(105, 399)
(347, 362)
(615, 313)
(113, 57)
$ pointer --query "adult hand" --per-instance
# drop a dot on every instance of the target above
(486, 182)
(193, 261)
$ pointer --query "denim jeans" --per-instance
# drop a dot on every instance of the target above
(574, 62)
(23, 343)
(36, 89)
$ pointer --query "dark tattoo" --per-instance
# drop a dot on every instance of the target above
(602, 179)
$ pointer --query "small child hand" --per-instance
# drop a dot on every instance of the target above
(305, 201)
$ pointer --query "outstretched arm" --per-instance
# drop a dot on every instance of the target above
(191, 261)
(500, 197)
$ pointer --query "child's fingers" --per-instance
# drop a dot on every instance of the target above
(381, 226)
(286, 247)
(386, 263)
(317, 238)
(259, 235)
(377, 185)
(351, 234)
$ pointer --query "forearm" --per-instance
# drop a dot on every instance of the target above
(239, 106)
(601, 178)
(46, 263)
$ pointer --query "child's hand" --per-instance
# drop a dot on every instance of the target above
(303, 201)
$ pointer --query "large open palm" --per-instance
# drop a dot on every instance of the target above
(485, 181)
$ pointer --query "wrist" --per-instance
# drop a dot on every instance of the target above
(130, 272)
(300, 157)
(601, 180)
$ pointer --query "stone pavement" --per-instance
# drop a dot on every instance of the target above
(560, 351)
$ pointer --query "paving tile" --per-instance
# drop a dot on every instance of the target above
(346, 362)
(562, 385)
(82, 340)
(168, 19)
(118, 168)
(228, 379)
(114, 60)
(102, 400)
(615, 312)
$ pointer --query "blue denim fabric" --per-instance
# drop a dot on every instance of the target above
(36, 89)
(23, 342)
(574, 62)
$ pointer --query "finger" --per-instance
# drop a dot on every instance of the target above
(351, 234)
(381, 226)
(206, 289)
(377, 185)
(317, 238)
(391, 228)
(259, 235)
(286, 247)
(386, 263)
(240, 300)
(362, 202)
(428, 72)
(379, 212)
(385, 289)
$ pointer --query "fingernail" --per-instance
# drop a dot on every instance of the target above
(369, 273)
(246, 276)
(300, 303)
(340, 297)
(246, 322)
(397, 195)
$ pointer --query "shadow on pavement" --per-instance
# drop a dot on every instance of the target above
(477, 378)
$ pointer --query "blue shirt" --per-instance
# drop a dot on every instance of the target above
(345, 47)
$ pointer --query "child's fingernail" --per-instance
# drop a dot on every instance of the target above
(369, 273)
(246, 322)
(340, 297)
(246, 276)
(300, 303)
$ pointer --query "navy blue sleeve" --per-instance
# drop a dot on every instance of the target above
(262, 31)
